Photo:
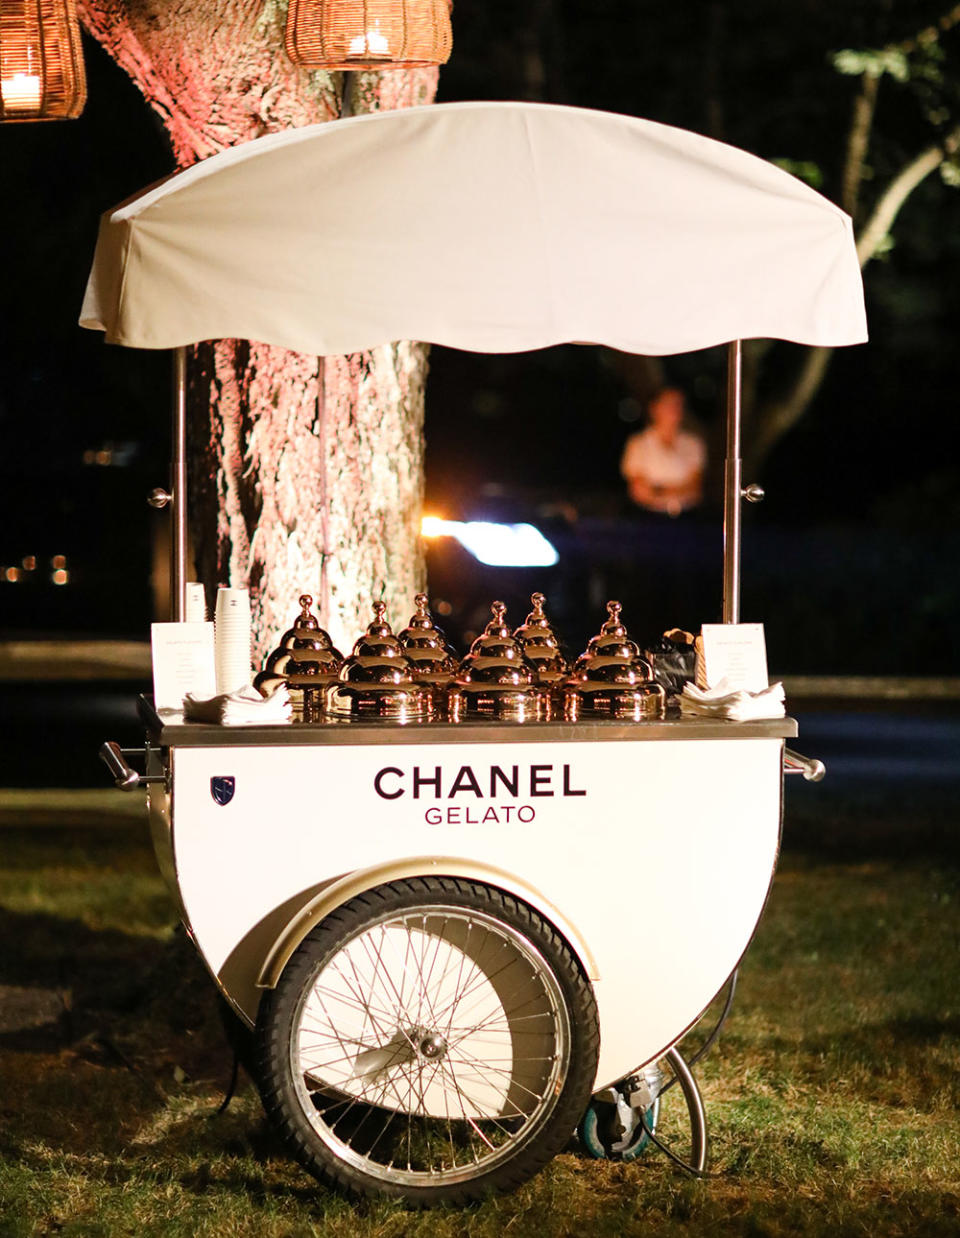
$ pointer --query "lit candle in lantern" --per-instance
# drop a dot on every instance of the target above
(21, 92)
(373, 43)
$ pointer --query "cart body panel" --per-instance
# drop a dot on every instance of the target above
(265, 832)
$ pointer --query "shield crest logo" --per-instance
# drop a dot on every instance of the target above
(222, 788)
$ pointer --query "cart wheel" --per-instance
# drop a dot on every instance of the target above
(432, 1039)
(615, 1132)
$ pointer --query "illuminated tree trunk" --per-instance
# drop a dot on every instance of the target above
(307, 473)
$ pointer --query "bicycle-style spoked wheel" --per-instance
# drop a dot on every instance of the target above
(432, 1039)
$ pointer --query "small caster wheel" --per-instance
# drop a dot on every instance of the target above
(614, 1131)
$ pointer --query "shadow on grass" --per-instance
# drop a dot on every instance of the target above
(94, 969)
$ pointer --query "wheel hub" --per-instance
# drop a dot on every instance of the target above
(433, 1046)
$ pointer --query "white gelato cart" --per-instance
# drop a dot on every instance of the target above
(433, 928)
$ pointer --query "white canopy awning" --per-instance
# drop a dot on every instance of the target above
(493, 227)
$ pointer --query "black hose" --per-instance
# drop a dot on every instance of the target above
(231, 1086)
(667, 1151)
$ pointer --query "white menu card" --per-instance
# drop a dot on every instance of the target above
(183, 661)
(735, 652)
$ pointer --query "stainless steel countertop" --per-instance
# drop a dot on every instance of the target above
(345, 731)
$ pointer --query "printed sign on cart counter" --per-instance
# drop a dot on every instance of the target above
(732, 653)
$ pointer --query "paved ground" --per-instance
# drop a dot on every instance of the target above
(63, 658)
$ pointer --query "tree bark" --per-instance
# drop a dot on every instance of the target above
(307, 472)
(858, 142)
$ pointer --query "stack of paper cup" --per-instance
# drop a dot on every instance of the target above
(196, 603)
(233, 639)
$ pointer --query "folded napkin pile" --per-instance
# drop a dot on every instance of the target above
(245, 707)
(739, 705)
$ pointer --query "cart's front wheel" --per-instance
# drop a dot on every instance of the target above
(433, 1039)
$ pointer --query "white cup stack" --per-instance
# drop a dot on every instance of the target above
(196, 603)
(233, 639)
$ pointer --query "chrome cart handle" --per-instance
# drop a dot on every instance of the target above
(812, 769)
(125, 776)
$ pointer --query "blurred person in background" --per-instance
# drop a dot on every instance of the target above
(664, 464)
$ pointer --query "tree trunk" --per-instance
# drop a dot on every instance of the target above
(307, 473)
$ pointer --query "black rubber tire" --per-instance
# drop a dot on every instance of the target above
(564, 1014)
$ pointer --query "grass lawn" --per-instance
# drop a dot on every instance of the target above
(832, 1094)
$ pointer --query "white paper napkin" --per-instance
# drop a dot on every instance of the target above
(738, 705)
(245, 707)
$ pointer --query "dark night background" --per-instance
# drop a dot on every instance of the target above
(849, 562)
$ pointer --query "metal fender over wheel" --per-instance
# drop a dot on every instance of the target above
(433, 1039)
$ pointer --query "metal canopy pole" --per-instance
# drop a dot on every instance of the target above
(178, 487)
(732, 488)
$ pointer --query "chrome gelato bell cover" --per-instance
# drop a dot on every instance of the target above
(611, 679)
(306, 661)
(540, 645)
(495, 680)
(424, 645)
(377, 680)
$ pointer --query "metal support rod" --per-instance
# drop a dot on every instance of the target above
(732, 489)
(178, 488)
(699, 1139)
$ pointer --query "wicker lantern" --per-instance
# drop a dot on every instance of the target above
(368, 34)
(41, 63)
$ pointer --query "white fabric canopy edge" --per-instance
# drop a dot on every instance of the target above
(151, 283)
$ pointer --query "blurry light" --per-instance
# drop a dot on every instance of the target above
(433, 526)
(496, 545)
(29, 563)
(111, 454)
(442, 607)
(60, 576)
(12, 574)
(58, 561)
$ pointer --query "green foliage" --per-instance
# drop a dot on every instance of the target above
(950, 173)
(873, 63)
(803, 169)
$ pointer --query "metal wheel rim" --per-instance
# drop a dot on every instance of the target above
(385, 1141)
